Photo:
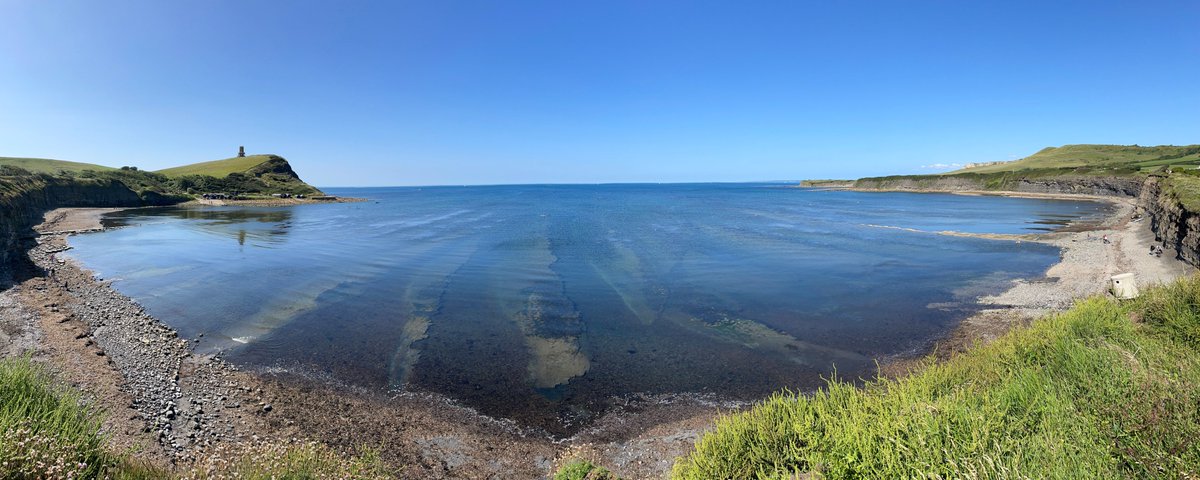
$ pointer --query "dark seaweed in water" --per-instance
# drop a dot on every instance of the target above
(543, 303)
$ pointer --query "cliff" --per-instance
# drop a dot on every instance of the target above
(1128, 186)
(1164, 197)
(24, 198)
(1173, 223)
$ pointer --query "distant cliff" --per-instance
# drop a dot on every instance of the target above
(1165, 180)
(1174, 219)
(24, 197)
(1087, 169)
(1128, 186)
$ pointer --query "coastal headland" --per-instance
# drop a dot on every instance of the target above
(182, 411)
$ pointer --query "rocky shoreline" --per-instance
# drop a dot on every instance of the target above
(185, 403)
(1090, 254)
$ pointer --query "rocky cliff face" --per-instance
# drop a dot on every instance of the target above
(924, 183)
(1171, 223)
(24, 199)
(1108, 186)
(1104, 186)
(277, 173)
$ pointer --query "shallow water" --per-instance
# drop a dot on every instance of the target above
(543, 303)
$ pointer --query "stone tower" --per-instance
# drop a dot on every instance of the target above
(241, 151)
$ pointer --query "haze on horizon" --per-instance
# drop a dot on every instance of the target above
(421, 93)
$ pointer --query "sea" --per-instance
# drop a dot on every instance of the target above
(547, 305)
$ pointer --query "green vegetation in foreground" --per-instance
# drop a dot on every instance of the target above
(218, 168)
(1133, 157)
(299, 461)
(1104, 390)
(46, 432)
(583, 470)
(44, 165)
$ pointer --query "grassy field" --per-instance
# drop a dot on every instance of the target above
(1074, 156)
(217, 168)
(1186, 188)
(44, 165)
(1105, 390)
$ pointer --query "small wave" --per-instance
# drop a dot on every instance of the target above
(1016, 237)
(891, 227)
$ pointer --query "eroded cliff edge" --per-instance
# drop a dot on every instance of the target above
(1079, 185)
(25, 198)
(1172, 222)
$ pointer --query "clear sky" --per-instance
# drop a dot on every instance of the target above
(449, 92)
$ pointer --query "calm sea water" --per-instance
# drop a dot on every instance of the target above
(543, 304)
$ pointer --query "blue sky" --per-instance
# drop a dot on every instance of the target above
(448, 92)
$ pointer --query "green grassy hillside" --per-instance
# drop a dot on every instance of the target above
(1087, 169)
(218, 168)
(44, 165)
(250, 175)
(1105, 390)
(1093, 156)
(253, 174)
(266, 174)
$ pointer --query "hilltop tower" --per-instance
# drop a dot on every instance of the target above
(241, 151)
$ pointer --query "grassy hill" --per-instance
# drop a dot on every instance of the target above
(1133, 157)
(252, 175)
(45, 165)
(1088, 169)
(218, 168)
